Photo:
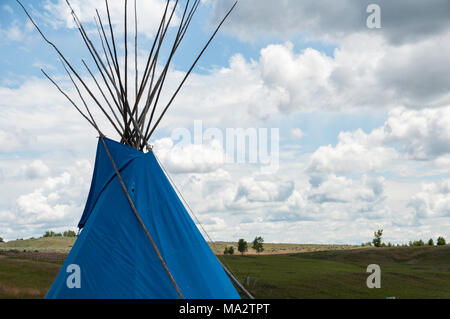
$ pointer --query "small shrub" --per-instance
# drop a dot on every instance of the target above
(441, 241)
(49, 233)
(228, 250)
(69, 233)
(377, 238)
(416, 243)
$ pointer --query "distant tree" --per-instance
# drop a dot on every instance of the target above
(49, 233)
(1, 240)
(57, 235)
(258, 244)
(69, 233)
(417, 243)
(377, 238)
(389, 244)
(242, 246)
(441, 241)
(228, 250)
(431, 242)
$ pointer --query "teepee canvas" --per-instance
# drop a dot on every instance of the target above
(113, 252)
(137, 239)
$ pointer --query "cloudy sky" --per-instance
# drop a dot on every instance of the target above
(363, 117)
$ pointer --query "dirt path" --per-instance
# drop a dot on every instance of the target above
(33, 255)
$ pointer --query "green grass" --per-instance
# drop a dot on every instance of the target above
(58, 244)
(411, 272)
(26, 278)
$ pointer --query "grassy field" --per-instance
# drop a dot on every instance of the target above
(23, 278)
(407, 272)
(275, 248)
(51, 244)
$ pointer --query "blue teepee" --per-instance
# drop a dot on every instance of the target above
(113, 255)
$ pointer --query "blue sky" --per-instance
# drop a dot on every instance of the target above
(362, 116)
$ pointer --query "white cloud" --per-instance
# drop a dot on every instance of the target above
(274, 199)
(343, 190)
(359, 77)
(334, 198)
(215, 190)
(433, 201)
(262, 190)
(8, 9)
(297, 133)
(333, 19)
(284, 70)
(56, 203)
(12, 140)
(149, 14)
(13, 32)
(191, 158)
(355, 152)
(421, 135)
(35, 169)
(42, 207)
